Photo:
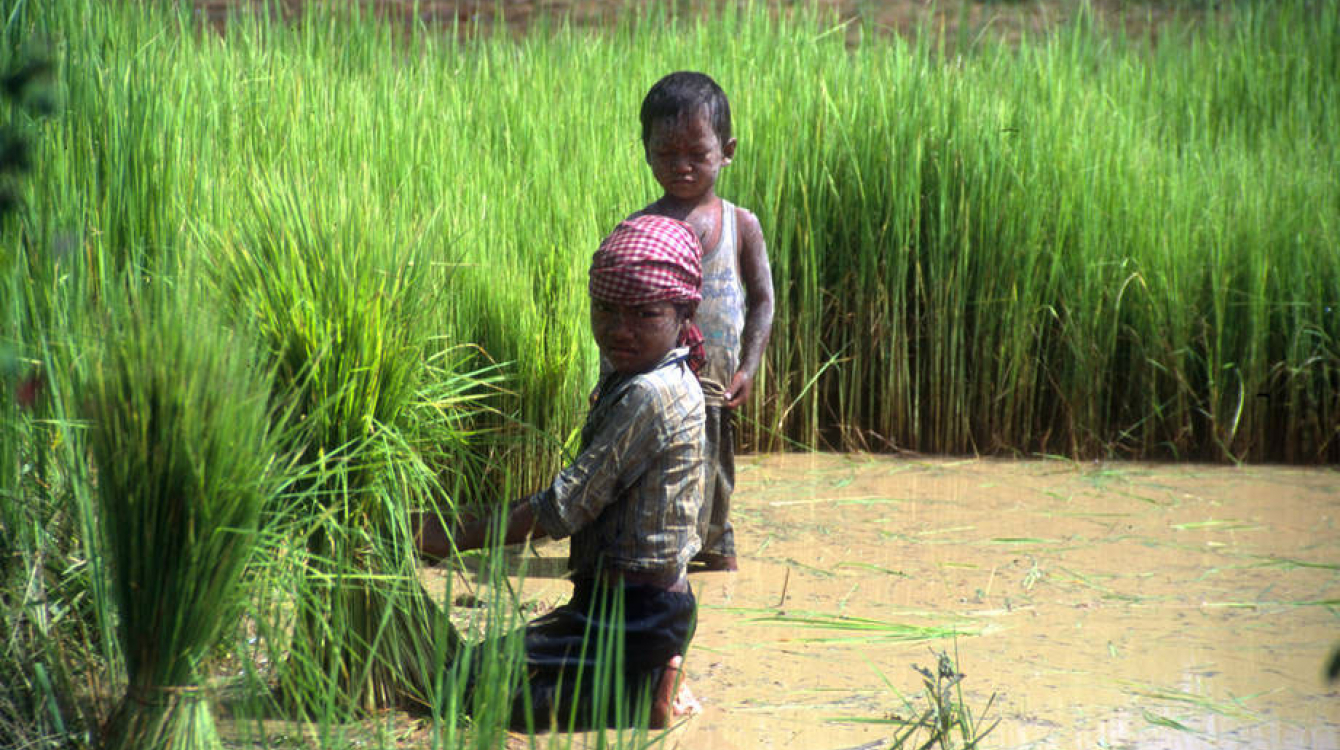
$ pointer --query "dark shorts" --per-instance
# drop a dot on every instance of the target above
(579, 676)
(714, 526)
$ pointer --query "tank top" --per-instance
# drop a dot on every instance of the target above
(720, 315)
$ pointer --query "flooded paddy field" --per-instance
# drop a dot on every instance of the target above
(1103, 605)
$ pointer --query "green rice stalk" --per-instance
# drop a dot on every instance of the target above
(341, 319)
(1078, 244)
(179, 431)
(946, 721)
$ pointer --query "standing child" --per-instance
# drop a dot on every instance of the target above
(686, 135)
(629, 500)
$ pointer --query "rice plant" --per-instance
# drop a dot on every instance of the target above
(946, 721)
(180, 434)
(342, 323)
(1082, 244)
(54, 658)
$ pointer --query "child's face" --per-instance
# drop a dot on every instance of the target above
(685, 155)
(633, 338)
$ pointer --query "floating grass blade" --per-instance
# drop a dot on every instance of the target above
(1164, 721)
(870, 630)
(1232, 708)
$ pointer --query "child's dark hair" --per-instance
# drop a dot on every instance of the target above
(682, 93)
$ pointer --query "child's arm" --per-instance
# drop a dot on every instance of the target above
(757, 277)
(434, 542)
(520, 525)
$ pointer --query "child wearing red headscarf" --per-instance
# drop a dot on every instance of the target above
(629, 501)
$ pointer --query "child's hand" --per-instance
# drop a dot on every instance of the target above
(740, 386)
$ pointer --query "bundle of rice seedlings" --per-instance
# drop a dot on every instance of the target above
(342, 318)
(179, 432)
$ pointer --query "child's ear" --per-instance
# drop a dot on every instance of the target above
(728, 150)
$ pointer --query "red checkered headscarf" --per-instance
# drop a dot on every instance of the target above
(651, 259)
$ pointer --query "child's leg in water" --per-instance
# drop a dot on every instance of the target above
(563, 654)
(673, 698)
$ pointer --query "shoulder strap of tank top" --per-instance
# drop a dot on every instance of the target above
(727, 222)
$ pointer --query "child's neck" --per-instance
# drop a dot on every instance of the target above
(678, 208)
(703, 214)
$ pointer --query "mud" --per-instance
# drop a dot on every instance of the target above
(1094, 605)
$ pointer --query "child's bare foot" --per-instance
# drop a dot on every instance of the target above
(673, 698)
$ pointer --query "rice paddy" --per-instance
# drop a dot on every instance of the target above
(270, 284)
(1113, 634)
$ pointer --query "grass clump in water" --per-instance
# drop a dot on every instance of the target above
(946, 721)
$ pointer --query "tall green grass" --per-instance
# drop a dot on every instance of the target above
(1080, 243)
(180, 435)
(1068, 246)
(54, 626)
(340, 317)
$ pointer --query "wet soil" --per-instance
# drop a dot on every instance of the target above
(1089, 605)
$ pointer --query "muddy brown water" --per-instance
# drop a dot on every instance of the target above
(1103, 605)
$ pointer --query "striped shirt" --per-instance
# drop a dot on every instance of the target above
(630, 499)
